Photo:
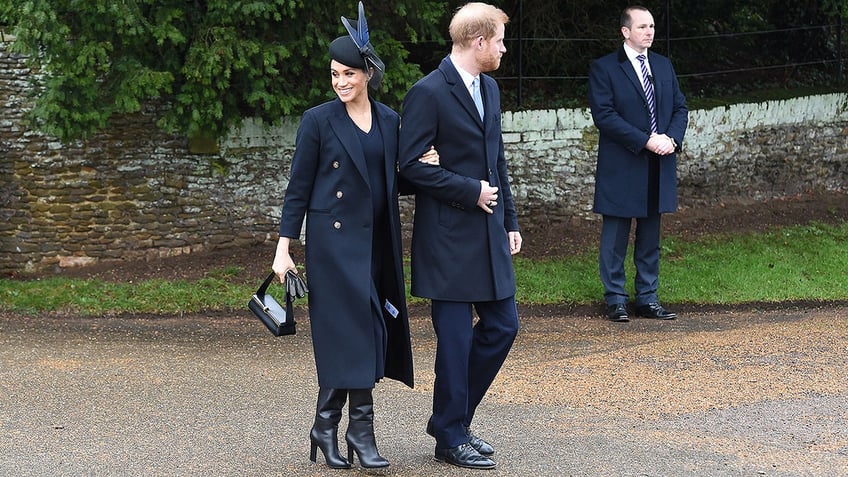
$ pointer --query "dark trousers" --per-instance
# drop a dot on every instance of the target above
(615, 236)
(468, 357)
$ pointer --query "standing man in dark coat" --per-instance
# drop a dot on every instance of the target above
(641, 114)
(465, 227)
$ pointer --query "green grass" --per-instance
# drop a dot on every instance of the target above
(97, 297)
(797, 263)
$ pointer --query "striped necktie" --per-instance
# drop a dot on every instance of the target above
(649, 91)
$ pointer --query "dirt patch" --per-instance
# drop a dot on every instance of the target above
(559, 239)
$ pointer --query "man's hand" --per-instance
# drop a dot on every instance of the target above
(515, 242)
(488, 197)
(660, 144)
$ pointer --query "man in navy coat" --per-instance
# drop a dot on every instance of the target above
(641, 114)
(465, 227)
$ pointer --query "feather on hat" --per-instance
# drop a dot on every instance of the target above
(361, 40)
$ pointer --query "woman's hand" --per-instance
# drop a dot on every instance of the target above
(282, 259)
(430, 157)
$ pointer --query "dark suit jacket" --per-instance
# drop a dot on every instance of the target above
(459, 253)
(329, 184)
(620, 111)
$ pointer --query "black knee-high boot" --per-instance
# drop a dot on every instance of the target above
(325, 430)
(360, 431)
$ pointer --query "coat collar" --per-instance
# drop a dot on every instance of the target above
(460, 91)
(345, 131)
(627, 67)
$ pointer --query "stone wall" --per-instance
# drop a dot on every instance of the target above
(744, 151)
(136, 192)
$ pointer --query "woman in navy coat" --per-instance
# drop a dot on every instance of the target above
(344, 181)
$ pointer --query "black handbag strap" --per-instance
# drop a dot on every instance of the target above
(264, 289)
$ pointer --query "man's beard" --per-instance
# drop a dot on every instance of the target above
(489, 62)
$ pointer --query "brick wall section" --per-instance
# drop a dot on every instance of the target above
(136, 192)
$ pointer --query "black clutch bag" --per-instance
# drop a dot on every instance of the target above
(279, 321)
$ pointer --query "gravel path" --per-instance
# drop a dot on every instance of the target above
(716, 393)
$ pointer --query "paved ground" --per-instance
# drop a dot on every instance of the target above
(717, 393)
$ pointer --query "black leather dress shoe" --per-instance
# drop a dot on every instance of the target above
(655, 311)
(481, 446)
(466, 456)
(618, 313)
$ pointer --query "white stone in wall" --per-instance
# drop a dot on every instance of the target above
(256, 134)
(528, 120)
(574, 119)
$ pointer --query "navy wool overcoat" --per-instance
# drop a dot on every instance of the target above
(329, 186)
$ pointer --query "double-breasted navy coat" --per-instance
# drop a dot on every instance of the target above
(620, 111)
(459, 252)
(329, 186)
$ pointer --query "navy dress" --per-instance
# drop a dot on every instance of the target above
(372, 146)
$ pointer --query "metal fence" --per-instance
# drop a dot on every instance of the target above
(561, 80)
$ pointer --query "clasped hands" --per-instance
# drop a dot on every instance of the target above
(660, 144)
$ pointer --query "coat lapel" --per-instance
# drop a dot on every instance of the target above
(388, 129)
(460, 91)
(345, 131)
(627, 68)
(657, 83)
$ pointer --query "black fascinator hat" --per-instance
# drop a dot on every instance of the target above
(356, 50)
(344, 50)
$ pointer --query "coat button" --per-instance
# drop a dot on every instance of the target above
(337, 225)
(339, 194)
(335, 164)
